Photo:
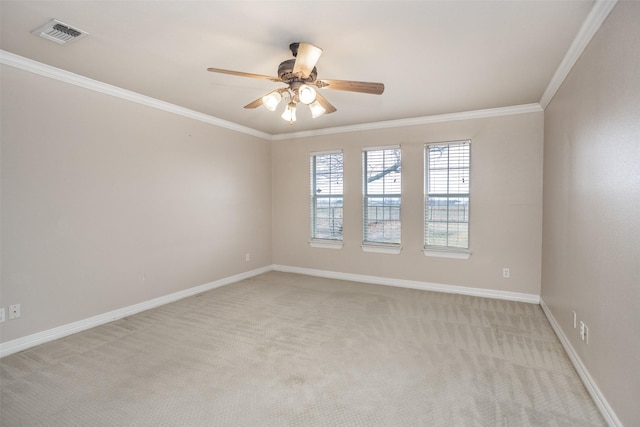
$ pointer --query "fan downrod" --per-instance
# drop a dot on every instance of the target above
(294, 48)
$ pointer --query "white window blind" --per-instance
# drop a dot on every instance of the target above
(447, 180)
(382, 195)
(326, 195)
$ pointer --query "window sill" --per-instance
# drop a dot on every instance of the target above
(326, 244)
(382, 249)
(447, 253)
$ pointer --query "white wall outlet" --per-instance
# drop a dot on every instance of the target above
(575, 320)
(583, 328)
(506, 273)
(1, 314)
(14, 311)
(586, 334)
(247, 256)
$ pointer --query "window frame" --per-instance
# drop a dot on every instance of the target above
(324, 242)
(447, 251)
(380, 246)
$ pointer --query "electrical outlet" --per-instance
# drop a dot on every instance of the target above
(506, 273)
(247, 256)
(586, 334)
(583, 328)
(1, 314)
(14, 311)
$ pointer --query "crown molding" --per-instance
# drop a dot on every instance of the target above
(590, 27)
(439, 118)
(26, 64)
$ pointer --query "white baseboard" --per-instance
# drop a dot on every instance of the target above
(32, 340)
(605, 409)
(425, 286)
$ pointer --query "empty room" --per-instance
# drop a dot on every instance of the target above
(329, 213)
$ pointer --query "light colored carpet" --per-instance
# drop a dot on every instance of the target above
(283, 349)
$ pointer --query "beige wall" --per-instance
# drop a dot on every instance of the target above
(506, 204)
(591, 242)
(107, 203)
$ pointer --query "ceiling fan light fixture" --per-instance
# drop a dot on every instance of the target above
(307, 94)
(307, 56)
(300, 76)
(290, 113)
(271, 100)
(316, 109)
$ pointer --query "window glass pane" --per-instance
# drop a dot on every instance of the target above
(328, 174)
(326, 196)
(437, 233)
(383, 172)
(328, 218)
(458, 235)
(382, 195)
(447, 176)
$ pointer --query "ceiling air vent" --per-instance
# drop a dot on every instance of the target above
(59, 32)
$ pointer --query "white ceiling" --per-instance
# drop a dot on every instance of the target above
(434, 57)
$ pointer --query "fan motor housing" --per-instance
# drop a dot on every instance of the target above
(285, 72)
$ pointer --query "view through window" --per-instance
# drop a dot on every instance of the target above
(382, 195)
(326, 195)
(447, 175)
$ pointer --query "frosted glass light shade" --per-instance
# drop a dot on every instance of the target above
(307, 94)
(316, 109)
(290, 113)
(271, 100)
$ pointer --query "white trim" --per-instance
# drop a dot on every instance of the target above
(320, 153)
(326, 244)
(590, 27)
(38, 338)
(26, 64)
(381, 249)
(439, 118)
(592, 387)
(412, 284)
(601, 402)
(16, 61)
(461, 254)
(453, 141)
(32, 340)
(382, 147)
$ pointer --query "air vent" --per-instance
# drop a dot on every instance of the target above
(59, 32)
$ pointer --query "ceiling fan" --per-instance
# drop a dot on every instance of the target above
(301, 77)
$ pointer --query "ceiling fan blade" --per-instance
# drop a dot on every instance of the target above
(254, 104)
(241, 74)
(306, 59)
(351, 86)
(325, 104)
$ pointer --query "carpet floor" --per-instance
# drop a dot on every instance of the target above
(284, 349)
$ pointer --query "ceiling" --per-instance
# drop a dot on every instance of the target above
(434, 57)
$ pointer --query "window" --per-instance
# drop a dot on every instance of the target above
(382, 196)
(446, 201)
(326, 195)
